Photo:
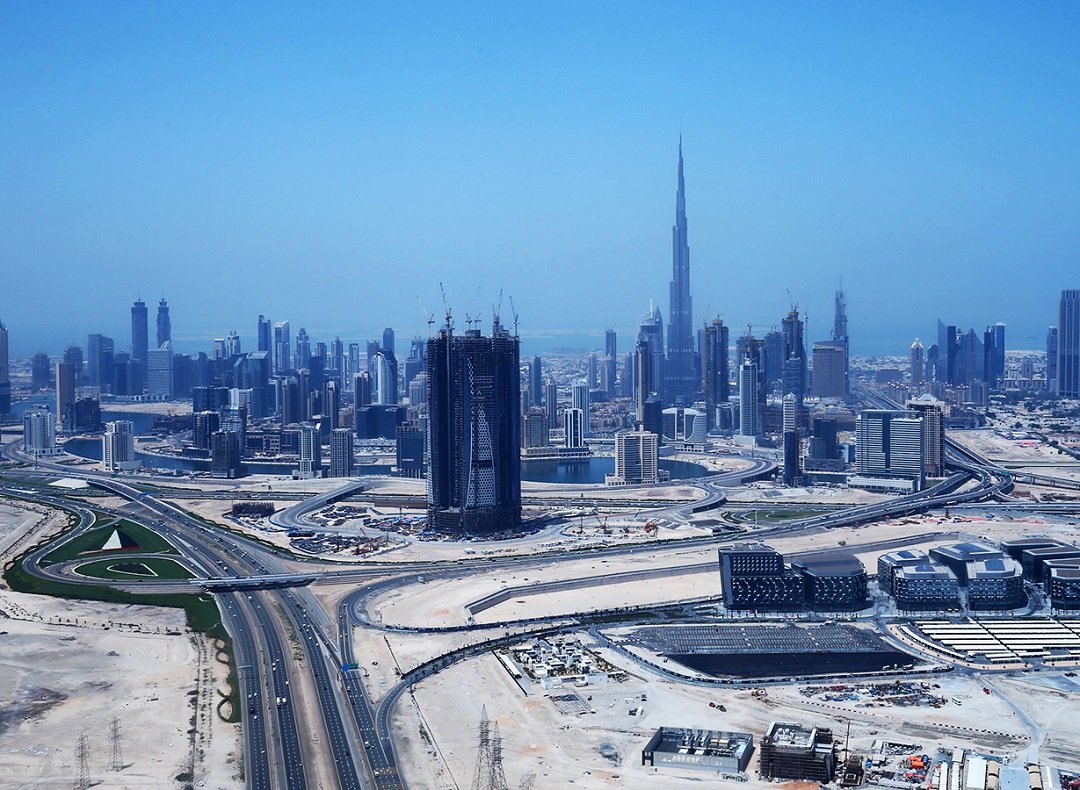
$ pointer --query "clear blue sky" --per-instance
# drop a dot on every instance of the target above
(330, 164)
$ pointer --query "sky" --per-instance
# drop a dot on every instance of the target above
(331, 164)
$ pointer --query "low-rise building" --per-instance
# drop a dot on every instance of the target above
(709, 750)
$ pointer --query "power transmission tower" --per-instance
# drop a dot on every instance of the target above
(116, 757)
(489, 768)
(82, 768)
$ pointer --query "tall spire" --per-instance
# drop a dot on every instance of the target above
(681, 379)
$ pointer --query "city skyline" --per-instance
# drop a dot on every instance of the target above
(885, 147)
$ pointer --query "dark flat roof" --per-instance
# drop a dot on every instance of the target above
(831, 565)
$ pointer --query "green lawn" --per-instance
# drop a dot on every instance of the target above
(149, 568)
(89, 543)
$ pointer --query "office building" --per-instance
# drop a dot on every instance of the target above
(833, 582)
(99, 360)
(716, 377)
(830, 375)
(39, 432)
(890, 444)
(708, 750)
(383, 369)
(65, 388)
(473, 445)
(636, 459)
(140, 340)
(580, 399)
(683, 426)
(164, 323)
(204, 425)
(265, 332)
(83, 414)
(310, 452)
(823, 454)
(282, 347)
(995, 583)
(118, 447)
(5, 372)
(917, 582)
(410, 449)
(573, 428)
(159, 372)
(1067, 369)
(753, 576)
(649, 361)
(918, 364)
(362, 389)
(793, 368)
(73, 356)
(682, 381)
(797, 752)
(378, 422)
(226, 459)
(342, 463)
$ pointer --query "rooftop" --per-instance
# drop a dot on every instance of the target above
(831, 565)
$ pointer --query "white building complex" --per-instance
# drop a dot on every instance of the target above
(118, 447)
(39, 432)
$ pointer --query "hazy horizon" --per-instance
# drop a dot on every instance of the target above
(330, 167)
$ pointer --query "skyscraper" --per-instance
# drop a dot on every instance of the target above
(918, 365)
(636, 459)
(5, 372)
(140, 339)
(840, 336)
(580, 399)
(164, 324)
(341, 453)
(651, 333)
(681, 381)
(536, 389)
(830, 380)
(159, 371)
(610, 343)
(1068, 345)
(573, 427)
(118, 446)
(1051, 358)
(65, 388)
(716, 378)
(890, 443)
(749, 416)
(794, 356)
(266, 334)
(282, 349)
(474, 402)
(310, 452)
(39, 432)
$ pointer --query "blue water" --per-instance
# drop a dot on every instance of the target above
(592, 470)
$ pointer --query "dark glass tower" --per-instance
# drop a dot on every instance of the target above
(474, 403)
(840, 337)
(716, 383)
(140, 340)
(681, 380)
(164, 324)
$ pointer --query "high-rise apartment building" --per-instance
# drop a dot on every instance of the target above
(159, 371)
(682, 382)
(636, 459)
(932, 413)
(310, 452)
(99, 360)
(1051, 358)
(39, 432)
(749, 416)
(551, 404)
(793, 367)
(473, 445)
(265, 332)
(341, 453)
(118, 446)
(1068, 345)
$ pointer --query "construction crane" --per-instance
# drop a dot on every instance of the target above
(514, 311)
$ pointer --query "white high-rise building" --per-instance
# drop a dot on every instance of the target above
(573, 427)
(39, 432)
(310, 452)
(749, 419)
(636, 459)
(789, 412)
(383, 386)
(118, 446)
